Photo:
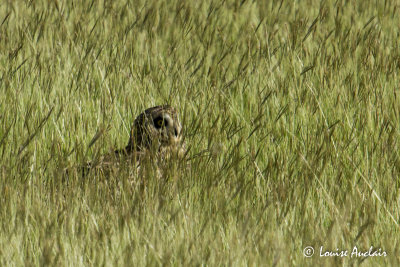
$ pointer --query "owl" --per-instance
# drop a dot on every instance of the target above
(156, 134)
(157, 129)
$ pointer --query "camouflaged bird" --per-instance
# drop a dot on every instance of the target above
(156, 135)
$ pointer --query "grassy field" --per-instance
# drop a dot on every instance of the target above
(290, 112)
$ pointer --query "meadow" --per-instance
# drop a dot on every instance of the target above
(290, 113)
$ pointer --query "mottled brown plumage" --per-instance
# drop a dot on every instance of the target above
(156, 128)
(156, 133)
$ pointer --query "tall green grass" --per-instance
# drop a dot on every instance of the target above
(290, 112)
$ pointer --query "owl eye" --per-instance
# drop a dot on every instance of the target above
(159, 122)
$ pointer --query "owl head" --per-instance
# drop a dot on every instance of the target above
(155, 129)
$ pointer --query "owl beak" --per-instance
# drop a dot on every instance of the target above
(174, 140)
(174, 135)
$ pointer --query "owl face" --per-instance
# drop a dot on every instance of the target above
(164, 127)
(156, 128)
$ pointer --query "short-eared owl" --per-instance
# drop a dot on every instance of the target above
(155, 133)
(156, 129)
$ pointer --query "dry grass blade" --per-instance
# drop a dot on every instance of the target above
(30, 138)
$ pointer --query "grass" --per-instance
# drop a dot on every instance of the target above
(290, 112)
